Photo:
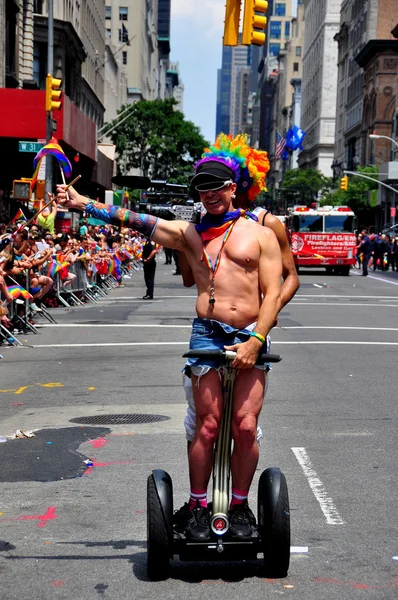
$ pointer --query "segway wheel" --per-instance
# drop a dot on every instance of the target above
(159, 536)
(274, 522)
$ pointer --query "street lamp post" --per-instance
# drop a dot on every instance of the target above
(375, 136)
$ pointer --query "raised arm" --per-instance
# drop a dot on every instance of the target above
(166, 233)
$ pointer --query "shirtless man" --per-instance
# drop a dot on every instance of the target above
(234, 262)
(246, 194)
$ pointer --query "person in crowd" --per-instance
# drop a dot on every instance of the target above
(168, 252)
(357, 252)
(46, 219)
(365, 249)
(149, 252)
(394, 254)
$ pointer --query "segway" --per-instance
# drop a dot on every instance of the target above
(272, 535)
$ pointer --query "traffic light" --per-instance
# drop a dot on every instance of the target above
(40, 189)
(253, 23)
(21, 189)
(344, 183)
(231, 24)
(53, 93)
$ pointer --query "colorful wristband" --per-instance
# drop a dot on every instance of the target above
(258, 336)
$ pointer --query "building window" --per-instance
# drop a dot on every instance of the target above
(298, 50)
(123, 13)
(295, 67)
(108, 12)
(276, 29)
(109, 33)
(280, 9)
(287, 29)
(124, 57)
(38, 7)
(274, 49)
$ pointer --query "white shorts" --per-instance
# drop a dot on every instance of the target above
(190, 417)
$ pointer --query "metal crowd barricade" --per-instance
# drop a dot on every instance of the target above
(6, 333)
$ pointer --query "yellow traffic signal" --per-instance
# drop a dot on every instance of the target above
(53, 93)
(254, 24)
(21, 189)
(231, 24)
(344, 183)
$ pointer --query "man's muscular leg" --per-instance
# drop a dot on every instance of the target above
(208, 398)
(248, 401)
(208, 403)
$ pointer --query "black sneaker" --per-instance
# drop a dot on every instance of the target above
(198, 526)
(241, 521)
(181, 518)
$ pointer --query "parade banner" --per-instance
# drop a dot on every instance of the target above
(323, 244)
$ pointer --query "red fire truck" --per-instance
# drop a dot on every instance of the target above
(322, 237)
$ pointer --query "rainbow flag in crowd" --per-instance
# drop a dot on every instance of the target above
(52, 147)
(18, 290)
(55, 267)
(114, 267)
(19, 216)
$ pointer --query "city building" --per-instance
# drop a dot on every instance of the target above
(360, 22)
(133, 28)
(177, 87)
(79, 51)
(278, 33)
(229, 89)
(289, 69)
(319, 84)
(163, 37)
(379, 61)
(115, 85)
(239, 62)
(224, 76)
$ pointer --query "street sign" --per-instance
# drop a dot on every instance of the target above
(30, 147)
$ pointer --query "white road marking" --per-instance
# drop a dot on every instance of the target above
(297, 297)
(317, 285)
(292, 343)
(325, 502)
(395, 557)
(327, 304)
(298, 549)
(293, 303)
(379, 279)
(345, 297)
(154, 326)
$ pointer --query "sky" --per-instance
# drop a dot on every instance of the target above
(197, 28)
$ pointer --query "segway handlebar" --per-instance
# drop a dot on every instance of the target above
(229, 355)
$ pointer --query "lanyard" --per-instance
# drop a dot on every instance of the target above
(214, 267)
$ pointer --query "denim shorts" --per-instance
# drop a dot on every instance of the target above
(208, 334)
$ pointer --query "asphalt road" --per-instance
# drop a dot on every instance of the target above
(73, 498)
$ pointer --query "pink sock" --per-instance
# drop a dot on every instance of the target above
(198, 496)
(238, 497)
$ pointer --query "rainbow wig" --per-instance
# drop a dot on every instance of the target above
(250, 166)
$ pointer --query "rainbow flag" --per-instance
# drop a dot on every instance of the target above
(19, 216)
(55, 267)
(18, 290)
(52, 147)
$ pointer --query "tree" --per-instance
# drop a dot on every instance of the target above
(356, 196)
(304, 185)
(157, 139)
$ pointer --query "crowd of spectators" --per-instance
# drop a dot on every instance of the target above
(381, 250)
(37, 265)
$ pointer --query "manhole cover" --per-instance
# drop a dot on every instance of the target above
(119, 419)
